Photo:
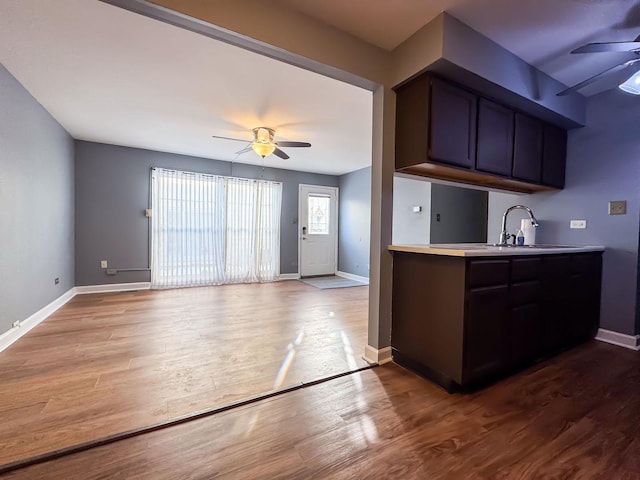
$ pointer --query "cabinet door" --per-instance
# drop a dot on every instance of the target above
(412, 114)
(554, 156)
(527, 150)
(452, 125)
(495, 138)
(522, 334)
(486, 317)
(584, 296)
(555, 298)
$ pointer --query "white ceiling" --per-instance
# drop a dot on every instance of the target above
(108, 75)
(111, 76)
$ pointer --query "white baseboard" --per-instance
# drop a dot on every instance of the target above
(289, 276)
(113, 287)
(15, 333)
(631, 342)
(351, 276)
(374, 356)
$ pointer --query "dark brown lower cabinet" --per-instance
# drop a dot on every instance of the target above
(583, 308)
(554, 302)
(486, 315)
(461, 321)
(522, 332)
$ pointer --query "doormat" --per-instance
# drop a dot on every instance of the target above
(332, 282)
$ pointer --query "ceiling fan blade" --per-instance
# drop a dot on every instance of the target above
(230, 138)
(280, 154)
(244, 150)
(628, 69)
(608, 47)
(293, 144)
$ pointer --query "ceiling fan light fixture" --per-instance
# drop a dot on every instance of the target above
(632, 85)
(263, 149)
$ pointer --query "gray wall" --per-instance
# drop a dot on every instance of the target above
(354, 229)
(463, 215)
(603, 164)
(36, 205)
(410, 227)
(112, 191)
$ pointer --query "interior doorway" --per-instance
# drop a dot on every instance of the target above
(318, 230)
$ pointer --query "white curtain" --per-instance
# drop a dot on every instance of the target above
(211, 230)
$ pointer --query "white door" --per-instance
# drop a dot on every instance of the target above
(318, 230)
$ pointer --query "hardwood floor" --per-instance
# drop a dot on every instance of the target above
(107, 363)
(576, 416)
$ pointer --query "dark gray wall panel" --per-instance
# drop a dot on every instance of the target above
(112, 191)
(355, 222)
(458, 215)
(36, 204)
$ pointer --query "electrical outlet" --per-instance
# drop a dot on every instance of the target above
(618, 207)
(103, 264)
(578, 224)
(56, 281)
(16, 324)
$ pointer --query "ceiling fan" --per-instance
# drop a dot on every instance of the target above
(263, 143)
(628, 72)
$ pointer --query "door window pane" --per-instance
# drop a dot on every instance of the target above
(319, 214)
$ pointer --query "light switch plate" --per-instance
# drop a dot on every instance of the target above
(618, 207)
(578, 224)
(103, 264)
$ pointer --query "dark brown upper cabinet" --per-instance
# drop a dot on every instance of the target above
(527, 149)
(435, 122)
(495, 138)
(412, 122)
(554, 156)
(452, 132)
(448, 132)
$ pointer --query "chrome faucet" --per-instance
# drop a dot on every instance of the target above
(504, 235)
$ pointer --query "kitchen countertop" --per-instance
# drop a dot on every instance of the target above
(483, 250)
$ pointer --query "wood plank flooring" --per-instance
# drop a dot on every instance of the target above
(106, 363)
(573, 417)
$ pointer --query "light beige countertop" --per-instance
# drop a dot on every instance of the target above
(483, 250)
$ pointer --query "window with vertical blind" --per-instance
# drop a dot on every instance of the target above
(212, 230)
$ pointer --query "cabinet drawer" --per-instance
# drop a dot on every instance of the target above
(523, 269)
(483, 273)
(525, 293)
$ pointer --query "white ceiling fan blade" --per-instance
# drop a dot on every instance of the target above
(230, 138)
(244, 150)
(608, 47)
(624, 70)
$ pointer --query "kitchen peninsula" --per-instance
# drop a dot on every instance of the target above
(464, 314)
